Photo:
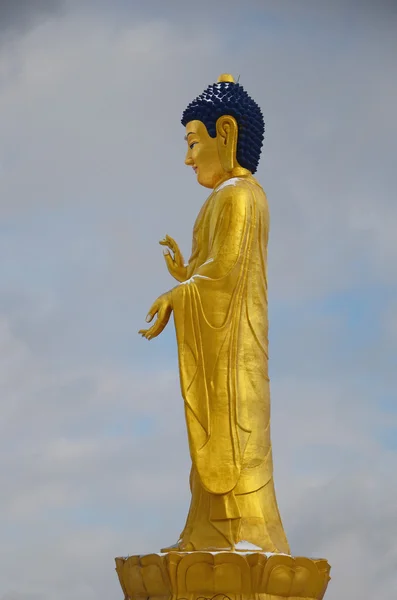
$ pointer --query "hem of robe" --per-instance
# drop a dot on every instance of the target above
(215, 521)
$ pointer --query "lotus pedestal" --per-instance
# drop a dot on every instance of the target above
(222, 576)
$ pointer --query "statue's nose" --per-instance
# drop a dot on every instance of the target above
(188, 160)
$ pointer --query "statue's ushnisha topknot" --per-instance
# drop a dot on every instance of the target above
(229, 98)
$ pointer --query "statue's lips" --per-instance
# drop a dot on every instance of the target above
(195, 169)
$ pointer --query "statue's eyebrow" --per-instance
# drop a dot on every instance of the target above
(190, 133)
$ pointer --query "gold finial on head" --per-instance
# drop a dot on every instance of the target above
(226, 78)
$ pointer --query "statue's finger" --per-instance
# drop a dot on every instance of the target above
(153, 310)
(172, 243)
(162, 320)
(155, 330)
(170, 261)
(148, 335)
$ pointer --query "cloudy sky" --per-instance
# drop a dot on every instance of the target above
(94, 460)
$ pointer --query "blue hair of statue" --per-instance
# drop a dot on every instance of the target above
(226, 98)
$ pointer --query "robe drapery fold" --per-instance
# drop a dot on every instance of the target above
(221, 323)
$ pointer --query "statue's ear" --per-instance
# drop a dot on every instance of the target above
(227, 135)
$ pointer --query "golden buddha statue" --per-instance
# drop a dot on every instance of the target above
(221, 318)
(233, 544)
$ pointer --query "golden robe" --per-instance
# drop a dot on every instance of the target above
(221, 325)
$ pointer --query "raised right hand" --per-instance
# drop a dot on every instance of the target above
(175, 263)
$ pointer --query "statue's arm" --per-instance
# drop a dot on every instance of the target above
(228, 232)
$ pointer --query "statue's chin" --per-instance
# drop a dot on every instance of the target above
(204, 183)
(207, 182)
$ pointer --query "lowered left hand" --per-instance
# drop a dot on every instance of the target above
(162, 307)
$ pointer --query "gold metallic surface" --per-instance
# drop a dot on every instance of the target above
(220, 313)
(220, 310)
(226, 77)
(232, 576)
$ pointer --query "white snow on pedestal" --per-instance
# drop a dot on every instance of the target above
(247, 546)
(244, 550)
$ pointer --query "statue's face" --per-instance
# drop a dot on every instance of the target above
(202, 155)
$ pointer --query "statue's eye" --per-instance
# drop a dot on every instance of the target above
(192, 144)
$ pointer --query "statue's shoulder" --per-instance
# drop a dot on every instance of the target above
(239, 190)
